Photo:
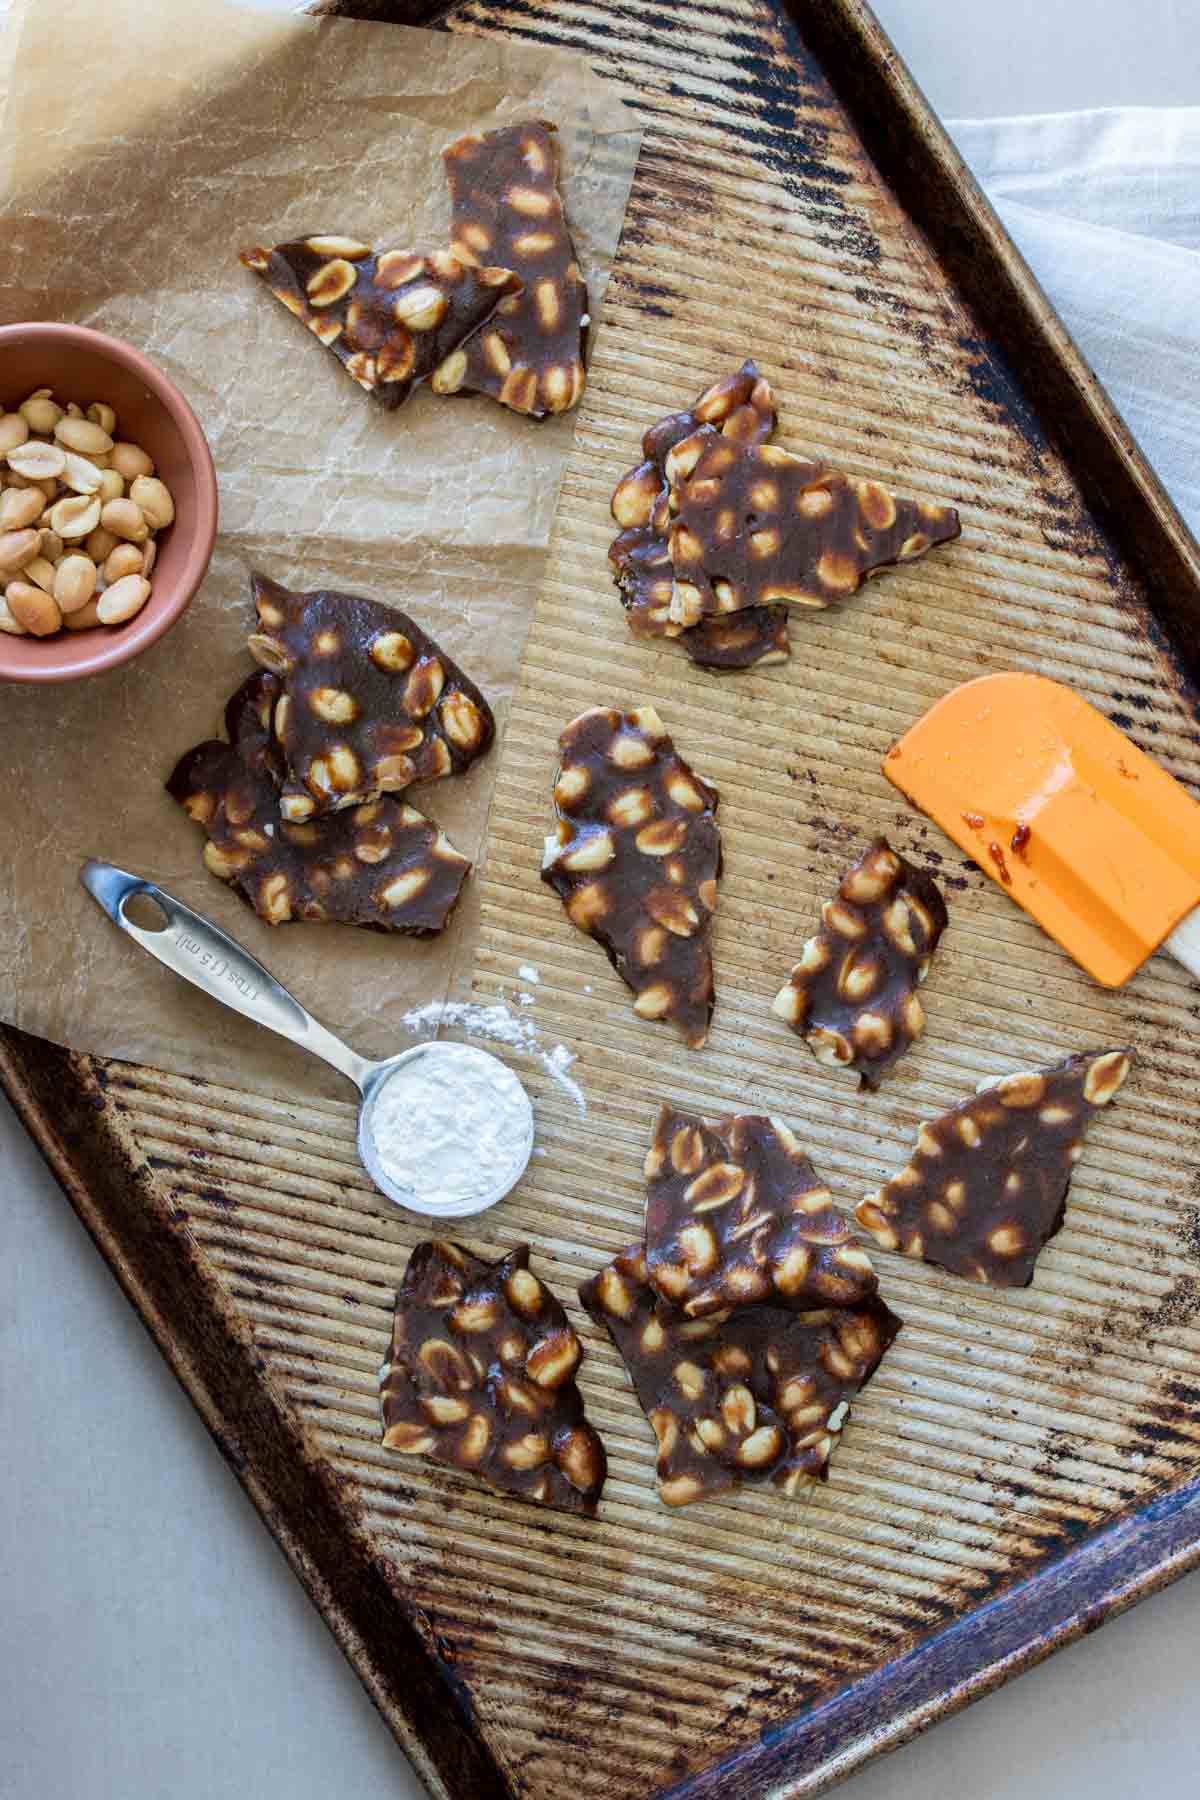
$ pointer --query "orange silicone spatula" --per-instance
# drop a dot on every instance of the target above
(1083, 829)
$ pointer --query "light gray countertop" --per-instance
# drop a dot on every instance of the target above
(154, 1641)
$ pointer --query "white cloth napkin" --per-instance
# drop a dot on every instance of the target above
(1105, 207)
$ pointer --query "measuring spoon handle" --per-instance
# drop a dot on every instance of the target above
(217, 964)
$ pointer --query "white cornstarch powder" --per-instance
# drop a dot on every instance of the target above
(502, 1027)
(450, 1127)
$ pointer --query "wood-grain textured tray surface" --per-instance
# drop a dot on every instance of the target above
(1024, 1463)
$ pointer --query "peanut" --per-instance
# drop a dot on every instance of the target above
(13, 431)
(84, 619)
(33, 609)
(40, 413)
(80, 474)
(126, 559)
(100, 542)
(7, 622)
(41, 571)
(18, 548)
(130, 461)
(154, 500)
(80, 434)
(19, 507)
(122, 600)
(37, 461)
(74, 581)
(112, 485)
(52, 545)
(149, 557)
(103, 416)
(124, 518)
(76, 516)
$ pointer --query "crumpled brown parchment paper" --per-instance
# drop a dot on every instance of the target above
(177, 134)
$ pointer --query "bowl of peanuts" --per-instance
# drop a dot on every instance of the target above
(108, 502)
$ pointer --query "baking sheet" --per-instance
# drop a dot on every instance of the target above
(244, 129)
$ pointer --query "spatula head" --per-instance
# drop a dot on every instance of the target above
(1080, 827)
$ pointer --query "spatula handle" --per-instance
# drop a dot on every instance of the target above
(1184, 943)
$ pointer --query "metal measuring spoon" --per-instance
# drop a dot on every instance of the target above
(217, 964)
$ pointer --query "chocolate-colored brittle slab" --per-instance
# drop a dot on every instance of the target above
(987, 1185)
(481, 1377)
(853, 995)
(506, 208)
(740, 407)
(381, 864)
(751, 524)
(735, 1216)
(761, 1395)
(369, 704)
(635, 860)
(391, 318)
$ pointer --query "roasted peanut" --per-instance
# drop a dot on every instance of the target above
(74, 581)
(125, 519)
(81, 475)
(153, 497)
(130, 461)
(40, 571)
(19, 507)
(126, 559)
(14, 429)
(123, 600)
(82, 435)
(103, 416)
(100, 542)
(18, 548)
(112, 485)
(33, 609)
(84, 619)
(76, 515)
(8, 623)
(37, 461)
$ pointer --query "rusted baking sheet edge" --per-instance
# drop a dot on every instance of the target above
(1038, 355)
(1075, 1594)
(389, 1642)
(392, 1647)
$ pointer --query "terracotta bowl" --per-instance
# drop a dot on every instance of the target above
(85, 365)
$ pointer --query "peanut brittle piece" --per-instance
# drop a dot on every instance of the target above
(391, 318)
(481, 1377)
(987, 1185)
(761, 1395)
(635, 860)
(506, 207)
(736, 1216)
(852, 996)
(382, 864)
(751, 523)
(741, 408)
(369, 704)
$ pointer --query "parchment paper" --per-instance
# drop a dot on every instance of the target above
(183, 132)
